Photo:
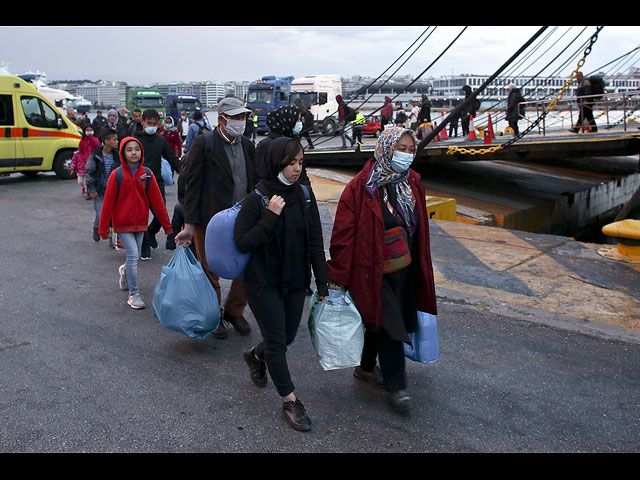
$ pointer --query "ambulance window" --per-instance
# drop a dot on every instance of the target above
(38, 113)
(49, 115)
(6, 110)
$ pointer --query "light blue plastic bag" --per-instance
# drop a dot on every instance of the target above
(167, 172)
(184, 299)
(337, 332)
(424, 347)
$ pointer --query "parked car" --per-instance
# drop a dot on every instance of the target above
(372, 127)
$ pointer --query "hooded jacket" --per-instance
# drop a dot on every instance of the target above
(286, 247)
(127, 207)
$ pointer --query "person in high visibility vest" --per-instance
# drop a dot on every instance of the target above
(357, 126)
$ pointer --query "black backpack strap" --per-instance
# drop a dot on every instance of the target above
(208, 143)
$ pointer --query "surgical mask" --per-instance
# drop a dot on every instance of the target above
(298, 128)
(282, 179)
(401, 161)
(235, 128)
(150, 130)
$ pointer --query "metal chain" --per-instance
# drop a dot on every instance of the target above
(453, 150)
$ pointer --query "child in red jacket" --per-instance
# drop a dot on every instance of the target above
(131, 190)
(87, 145)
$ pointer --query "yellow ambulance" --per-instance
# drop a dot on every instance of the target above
(34, 135)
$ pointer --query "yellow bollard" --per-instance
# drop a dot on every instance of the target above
(627, 233)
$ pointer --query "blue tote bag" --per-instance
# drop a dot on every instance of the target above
(184, 299)
(424, 347)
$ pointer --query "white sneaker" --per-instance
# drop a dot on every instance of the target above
(135, 301)
(124, 284)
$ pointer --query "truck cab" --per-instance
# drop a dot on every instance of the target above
(143, 98)
(177, 102)
(35, 136)
(266, 95)
(318, 93)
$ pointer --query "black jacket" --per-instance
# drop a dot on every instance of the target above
(155, 147)
(95, 173)
(209, 186)
(256, 232)
(514, 110)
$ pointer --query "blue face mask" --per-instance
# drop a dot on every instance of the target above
(401, 161)
(151, 130)
(298, 128)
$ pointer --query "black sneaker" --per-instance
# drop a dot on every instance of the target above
(153, 242)
(296, 415)
(145, 254)
(257, 368)
(96, 235)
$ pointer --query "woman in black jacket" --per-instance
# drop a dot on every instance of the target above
(282, 229)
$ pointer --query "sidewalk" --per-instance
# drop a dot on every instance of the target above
(542, 278)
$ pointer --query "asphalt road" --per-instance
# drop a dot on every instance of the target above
(80, 371)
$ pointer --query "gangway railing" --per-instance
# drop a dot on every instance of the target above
(618, 109)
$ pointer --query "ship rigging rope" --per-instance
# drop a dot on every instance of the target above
(423, 72)
(459, 150)
(551, 76)
(330, 135)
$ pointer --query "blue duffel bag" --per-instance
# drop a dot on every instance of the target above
(184, 299)
(424, 347)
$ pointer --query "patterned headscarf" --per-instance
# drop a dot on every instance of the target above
(283, 119)
(382, 174)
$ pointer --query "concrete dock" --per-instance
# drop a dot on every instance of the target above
(537, 277)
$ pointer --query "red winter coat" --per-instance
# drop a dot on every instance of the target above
(356, 248)
(87, 145)
(128, 209)
(174, 140)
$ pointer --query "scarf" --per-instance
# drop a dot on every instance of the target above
(283, 119)
(382, 174)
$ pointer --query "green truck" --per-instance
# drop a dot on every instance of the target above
(144, 98)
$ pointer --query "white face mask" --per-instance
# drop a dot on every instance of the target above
(283, 179)
(235, 128)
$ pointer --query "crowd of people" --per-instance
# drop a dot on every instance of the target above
(219, 166)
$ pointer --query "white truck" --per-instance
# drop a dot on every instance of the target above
(318, 93)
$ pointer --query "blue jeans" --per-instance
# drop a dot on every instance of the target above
(132, 242)
(97, 206)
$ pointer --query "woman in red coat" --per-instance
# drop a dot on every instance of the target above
(380, 253)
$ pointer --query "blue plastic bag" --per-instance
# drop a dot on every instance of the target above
(184, 299)
(337, 331)
(223, 257)
(167, 172)
(424, 347)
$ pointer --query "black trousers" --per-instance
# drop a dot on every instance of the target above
(278, 318)
(155, 225)
(391, 355)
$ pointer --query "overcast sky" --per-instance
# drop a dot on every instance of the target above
(149, 54)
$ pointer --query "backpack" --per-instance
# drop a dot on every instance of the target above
(349, 113)
(223, 257)
(597, 86)
(119, 179)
